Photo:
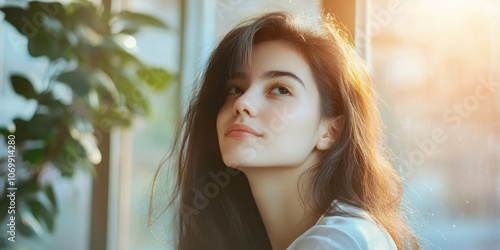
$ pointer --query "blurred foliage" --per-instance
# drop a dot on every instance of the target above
(107, 85)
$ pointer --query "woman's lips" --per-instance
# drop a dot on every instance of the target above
(239, 130)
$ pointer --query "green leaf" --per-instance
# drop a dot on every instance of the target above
(41, 126)
(28, 224)
(50, 9)
(86, 13)
(92, 151)
(135, 97)
(28, 188)
(45, 44)
(77, 80)
(75, 148)
(6, 131)
(42, 25)
(108, 86)
(23, 86)
(155, 78)
(42, 214)
(70, 157)
(12, 15)
(131, 21)
(34, 156)
(129, 30)
(52, 198)
(24, 226)
(89, 167)
(85, 144)
(48, 100)
(116, 55)
(137, 101)
(120, 117)
(61, 163)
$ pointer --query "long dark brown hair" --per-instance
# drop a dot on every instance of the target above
(214, 205)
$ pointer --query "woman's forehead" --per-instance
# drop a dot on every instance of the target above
(275, 56)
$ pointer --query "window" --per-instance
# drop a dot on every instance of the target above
(436, 69)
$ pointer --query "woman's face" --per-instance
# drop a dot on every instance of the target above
(271, 114)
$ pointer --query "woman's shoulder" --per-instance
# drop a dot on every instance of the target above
(342, 232)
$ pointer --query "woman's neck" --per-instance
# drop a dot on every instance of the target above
(276, 193)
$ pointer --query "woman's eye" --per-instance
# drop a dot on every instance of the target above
(234, 90)
(281, 90)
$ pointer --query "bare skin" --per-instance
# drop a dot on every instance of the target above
(277, 103)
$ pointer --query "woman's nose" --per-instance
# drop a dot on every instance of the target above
(246, 105)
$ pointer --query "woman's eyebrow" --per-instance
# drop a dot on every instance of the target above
(276, 73)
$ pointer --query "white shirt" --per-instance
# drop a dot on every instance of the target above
(346, 233)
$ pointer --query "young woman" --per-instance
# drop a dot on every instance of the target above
(281, 146)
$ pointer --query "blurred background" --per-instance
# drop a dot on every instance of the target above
(435, 65)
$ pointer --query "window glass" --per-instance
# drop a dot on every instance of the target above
(436, 68)
(150, 138)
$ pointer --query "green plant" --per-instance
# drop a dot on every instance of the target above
(108, 87)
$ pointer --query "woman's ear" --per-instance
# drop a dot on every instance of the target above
(328, 132)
